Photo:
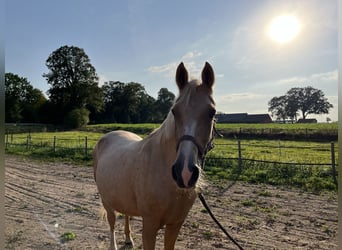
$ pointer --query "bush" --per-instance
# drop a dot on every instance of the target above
(77, 118)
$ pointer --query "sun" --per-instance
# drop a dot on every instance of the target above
(284, 28)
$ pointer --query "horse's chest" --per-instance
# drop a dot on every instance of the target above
(179, 207)
(170, 206)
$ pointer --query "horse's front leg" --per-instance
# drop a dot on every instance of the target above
(171, 234)
(150, 229)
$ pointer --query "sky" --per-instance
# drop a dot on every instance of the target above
(144, 41)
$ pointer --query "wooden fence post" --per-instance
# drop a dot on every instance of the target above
(240, 155)
(27, 141)
(333, 166)
(86, 146)
(6, 140)
(54, 144)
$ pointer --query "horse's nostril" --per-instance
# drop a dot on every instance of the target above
(185, 176)
(194, 177)
(176, 174)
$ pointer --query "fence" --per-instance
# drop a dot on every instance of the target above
(316, 160)
(243, 154)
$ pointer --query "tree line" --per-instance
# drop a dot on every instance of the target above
(75, 97)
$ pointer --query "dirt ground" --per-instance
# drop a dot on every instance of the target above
(45, 200)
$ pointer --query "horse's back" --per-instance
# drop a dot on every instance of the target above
(111, 145)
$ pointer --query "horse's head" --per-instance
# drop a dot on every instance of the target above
(194, 112)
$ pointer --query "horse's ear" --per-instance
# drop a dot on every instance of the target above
(208, 77)
(181, 76)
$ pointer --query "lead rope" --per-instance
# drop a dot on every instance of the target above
(204, 203)
(209, 147)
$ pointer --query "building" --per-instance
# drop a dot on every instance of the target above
(243, 118)
(301, 120)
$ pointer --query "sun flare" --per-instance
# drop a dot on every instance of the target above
(284, 29)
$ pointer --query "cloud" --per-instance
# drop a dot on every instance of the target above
(190, 60)
(191, 55)
(246, 96)
(320, 79)
(102, 79)
(252, 103)
(163, 68)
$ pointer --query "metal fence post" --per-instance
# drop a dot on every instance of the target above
(333, 166)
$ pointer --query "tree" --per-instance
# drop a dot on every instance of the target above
(277, 106)
(126, 102)
(73, 80)
(22, 101)
(164, 103)
(77, 118)
(307, 100)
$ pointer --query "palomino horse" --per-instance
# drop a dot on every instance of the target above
(156, 177)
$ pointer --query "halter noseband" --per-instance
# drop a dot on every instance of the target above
(193, 140)
(202, 152)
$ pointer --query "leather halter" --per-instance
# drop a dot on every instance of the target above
(193, 140)
(202, 152)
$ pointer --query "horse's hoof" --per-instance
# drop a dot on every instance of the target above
(129, 245)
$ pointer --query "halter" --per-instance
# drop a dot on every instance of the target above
(202, 152)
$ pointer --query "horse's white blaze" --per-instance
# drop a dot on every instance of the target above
(187, 150)
(188, 145)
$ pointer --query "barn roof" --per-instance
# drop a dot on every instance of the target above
(243, 118)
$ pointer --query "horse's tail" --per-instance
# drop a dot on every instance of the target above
(95, 160)
(102, 214)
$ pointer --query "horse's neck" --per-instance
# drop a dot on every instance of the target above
(166, 137)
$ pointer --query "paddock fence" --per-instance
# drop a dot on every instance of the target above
(235, 157)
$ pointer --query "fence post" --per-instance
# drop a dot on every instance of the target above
(240, 155)
(86, 146)
(6, 140)
(27, 142)
(54, 144)
(333, 166)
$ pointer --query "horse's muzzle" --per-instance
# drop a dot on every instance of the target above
(185, 174)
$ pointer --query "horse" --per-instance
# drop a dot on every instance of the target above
(158, 177)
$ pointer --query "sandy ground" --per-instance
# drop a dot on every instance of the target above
(45, 200)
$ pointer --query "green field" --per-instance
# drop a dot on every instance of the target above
(321, 131)
(305, 164)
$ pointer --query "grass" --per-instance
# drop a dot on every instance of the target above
(69, 146)
(275, 150)
(318, 131)
(67, 236)
(221, 162)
